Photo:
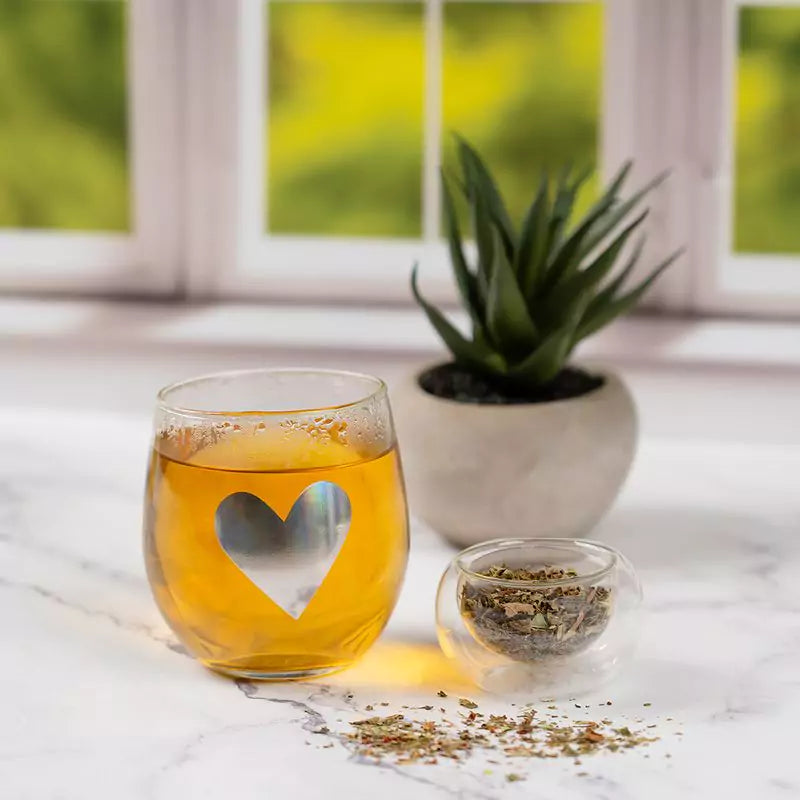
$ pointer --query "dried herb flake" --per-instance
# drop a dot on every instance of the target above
(529, 623)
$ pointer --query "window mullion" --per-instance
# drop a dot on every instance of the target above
(155, 48)
(716, 75)
(216, 87)
(619, 108)
(663, 41)
(675, 150)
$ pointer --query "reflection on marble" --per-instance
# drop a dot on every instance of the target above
(98, 700)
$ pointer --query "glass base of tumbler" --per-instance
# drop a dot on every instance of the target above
(265, 672)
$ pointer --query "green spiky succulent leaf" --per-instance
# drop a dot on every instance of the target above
(534, 293)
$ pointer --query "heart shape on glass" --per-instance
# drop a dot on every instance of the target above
(286, 559)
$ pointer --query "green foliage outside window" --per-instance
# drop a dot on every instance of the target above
(63, 115)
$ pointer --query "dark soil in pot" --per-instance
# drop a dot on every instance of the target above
(453, 382)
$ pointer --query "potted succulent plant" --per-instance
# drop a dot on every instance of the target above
(509, 438)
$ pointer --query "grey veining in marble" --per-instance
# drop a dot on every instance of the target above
(99, 700)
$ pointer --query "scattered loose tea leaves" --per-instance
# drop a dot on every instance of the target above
(528, 622)
(407, 740)
(441, 693)
(467, 703)
(512, 777)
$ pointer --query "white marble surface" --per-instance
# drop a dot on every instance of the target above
(97, 700)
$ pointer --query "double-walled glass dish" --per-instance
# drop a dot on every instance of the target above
(551, 616)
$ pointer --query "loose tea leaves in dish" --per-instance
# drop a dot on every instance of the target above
(528, 622)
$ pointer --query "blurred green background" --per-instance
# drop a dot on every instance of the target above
(767, 194)
(346, 98)
(344, 135)
(63, 117)
(344, 132)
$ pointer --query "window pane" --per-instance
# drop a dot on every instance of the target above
(522, 82)
(345, 118)
(63, 118)
(767, 196)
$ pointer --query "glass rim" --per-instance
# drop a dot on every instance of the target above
(499, 545)
(163, 404)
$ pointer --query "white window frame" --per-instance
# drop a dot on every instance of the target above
(230, 255)
(197, 90)
(696, 114)
(652, 53)
(146, 260)
(760, 284)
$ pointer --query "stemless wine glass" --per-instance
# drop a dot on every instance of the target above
(276, 529)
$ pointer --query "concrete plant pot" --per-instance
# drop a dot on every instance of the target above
(477, 472)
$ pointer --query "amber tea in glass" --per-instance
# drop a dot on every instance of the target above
(276, 532)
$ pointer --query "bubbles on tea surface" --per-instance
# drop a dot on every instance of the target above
(321, 429)
(181, 442)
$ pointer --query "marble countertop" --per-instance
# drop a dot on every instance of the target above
(99, 700)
